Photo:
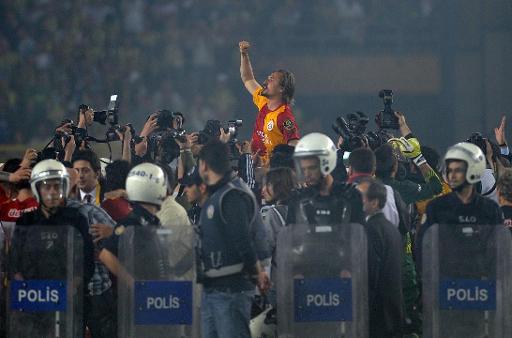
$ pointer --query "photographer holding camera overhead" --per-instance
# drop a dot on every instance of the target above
(159, 138)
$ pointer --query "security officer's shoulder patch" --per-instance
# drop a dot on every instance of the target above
(423, 219)
(119, 230)
(210, 211)
(143, 221)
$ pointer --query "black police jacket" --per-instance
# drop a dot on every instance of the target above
(42, 254)
(449, 209)
(145, 255)
(343, 205)
(228, 248)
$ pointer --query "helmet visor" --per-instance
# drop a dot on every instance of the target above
(52, 191)
(308, 170)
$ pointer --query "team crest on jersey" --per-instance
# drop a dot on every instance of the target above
(288, 125)
(210, 211)
(270, 125)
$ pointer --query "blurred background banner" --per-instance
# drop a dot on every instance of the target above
(448, 62)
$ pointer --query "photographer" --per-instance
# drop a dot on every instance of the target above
(493, 156)
(125, 136)
(158, 138)
(186, 161)
(23, 172)
(85, 118)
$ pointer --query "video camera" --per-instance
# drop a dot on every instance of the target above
(481, 142)
(212, 130)
(386, 119)
(353, 128)
(353, 131)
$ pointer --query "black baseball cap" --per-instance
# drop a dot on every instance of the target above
(192, 177)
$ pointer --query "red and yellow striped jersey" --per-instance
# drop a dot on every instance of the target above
(272, 127)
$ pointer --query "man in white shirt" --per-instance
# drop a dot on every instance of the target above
(361, 163)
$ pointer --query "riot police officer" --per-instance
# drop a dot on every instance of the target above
(323, 201)
(320, 244)
(146, 187)
(43, 254)
(465, 164)
(458, 243)
(139, 250)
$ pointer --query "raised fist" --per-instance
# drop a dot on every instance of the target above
(244, 46)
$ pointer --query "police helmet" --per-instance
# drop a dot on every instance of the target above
(320, 146)
(472, 155)
(146, 183)
(48, 170)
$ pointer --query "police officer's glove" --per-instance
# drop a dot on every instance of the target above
(410, 148)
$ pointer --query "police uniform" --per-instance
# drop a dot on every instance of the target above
(145, 243)
(309, 209)
(322, 254)
(194, 213)
(26, 259)
(220, 255)
(449, 209)
(463, 257)
(343, 205)
(231, 241)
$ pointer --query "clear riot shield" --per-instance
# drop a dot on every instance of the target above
(466, 275)
(157, 293)
(45, 292)
(5, 235)
(322, 281)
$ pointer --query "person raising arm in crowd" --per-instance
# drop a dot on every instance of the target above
(275, 123)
